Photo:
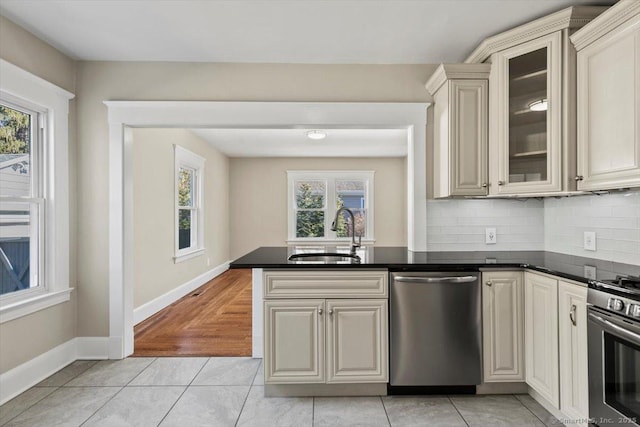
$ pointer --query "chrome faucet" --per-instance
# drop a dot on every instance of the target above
(334, 227)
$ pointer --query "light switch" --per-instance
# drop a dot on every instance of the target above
(590, 240)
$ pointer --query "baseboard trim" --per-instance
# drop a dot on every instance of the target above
(30, 373)
(155, 305)
(92, 348)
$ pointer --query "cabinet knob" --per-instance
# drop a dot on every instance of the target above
(500, 182)
(579, 178)
(330, 311)
(489, 283)
(320, 311)
(485, 185)
(572, 314)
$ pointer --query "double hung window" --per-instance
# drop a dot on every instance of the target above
(315, 196)
(189, 226)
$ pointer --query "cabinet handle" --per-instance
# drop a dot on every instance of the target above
(485, 185)
(579, 178)
(489, 283)
(320, 311)
(572, 314)
(500, 182)
(331, 312)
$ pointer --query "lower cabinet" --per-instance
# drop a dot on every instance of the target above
(326, 327)
(556, 343)
(503, 326)
(574, 372)
(541, 336)
(326, 341)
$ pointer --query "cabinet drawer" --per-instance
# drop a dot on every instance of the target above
(325, 284)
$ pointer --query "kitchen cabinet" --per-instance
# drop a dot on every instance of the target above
(608, 93)
(339, 339)
(541, 336)
(574, 375)
(460, 93)
(526, 117)
(532, 104)
(503, 326)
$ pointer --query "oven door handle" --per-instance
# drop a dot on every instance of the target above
(615, 329)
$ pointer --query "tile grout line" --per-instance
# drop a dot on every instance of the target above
(385, 410)
(118, 392)
(458, 411)
(247, 396)
(527, 408)
(184, 391)
(313, 410)
(30, 406)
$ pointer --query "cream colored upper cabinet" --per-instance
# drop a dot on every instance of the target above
(526, 117)
(503, 326)
(572, 329)
(460, 93)
(541, 336)
(609, 99)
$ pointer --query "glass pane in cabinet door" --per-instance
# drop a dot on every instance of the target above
(528, 117)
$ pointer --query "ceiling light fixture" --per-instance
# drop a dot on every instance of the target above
(539, 105)
(316, 134)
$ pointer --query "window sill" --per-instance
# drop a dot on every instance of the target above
(10, 310)
(187, 256)
(327, 242)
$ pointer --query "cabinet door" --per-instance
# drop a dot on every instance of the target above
(526, 124)
(294, 341)
(357, 341)
(574, 375)
(468, 137)
(609, 110)
(541, 335)
(503, 326)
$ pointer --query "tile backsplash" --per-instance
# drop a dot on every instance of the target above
(615, 218)
(552, 224)
(459, 225)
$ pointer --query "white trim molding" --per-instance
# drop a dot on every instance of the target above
(123, 115)
(53, 102)
(30, 373)
(155, 305)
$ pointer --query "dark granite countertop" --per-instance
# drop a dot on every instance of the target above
(400, 259)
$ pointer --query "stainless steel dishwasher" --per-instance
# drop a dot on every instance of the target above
(435, 329)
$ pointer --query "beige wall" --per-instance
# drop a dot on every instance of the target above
(99, 81)
(24, 338)
(258, 188)
(155, 273)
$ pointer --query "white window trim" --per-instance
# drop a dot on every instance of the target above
(188, 159)
(23, 87)
(329, 176)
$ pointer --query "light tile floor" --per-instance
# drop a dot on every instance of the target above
(222, 391)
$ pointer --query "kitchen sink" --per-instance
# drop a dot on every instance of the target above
(326, 257)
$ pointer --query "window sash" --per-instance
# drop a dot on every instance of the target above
(185, 159)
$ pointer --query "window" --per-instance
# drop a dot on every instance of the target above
(21, 200)
(315, 196)
(189, 227)
(34, 167)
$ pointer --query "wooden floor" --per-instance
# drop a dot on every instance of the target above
(214, 320)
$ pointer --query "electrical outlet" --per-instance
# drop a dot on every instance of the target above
(590, 240)
(490, 236)
(589, 272)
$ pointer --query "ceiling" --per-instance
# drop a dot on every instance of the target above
(293, 142)
(274, 31)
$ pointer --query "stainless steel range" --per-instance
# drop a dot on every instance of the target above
(614, 351)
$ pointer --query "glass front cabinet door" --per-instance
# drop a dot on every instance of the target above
(525, 133)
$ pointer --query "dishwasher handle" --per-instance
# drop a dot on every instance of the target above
(449, 279)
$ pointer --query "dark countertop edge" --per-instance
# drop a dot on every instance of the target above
(418, 267)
